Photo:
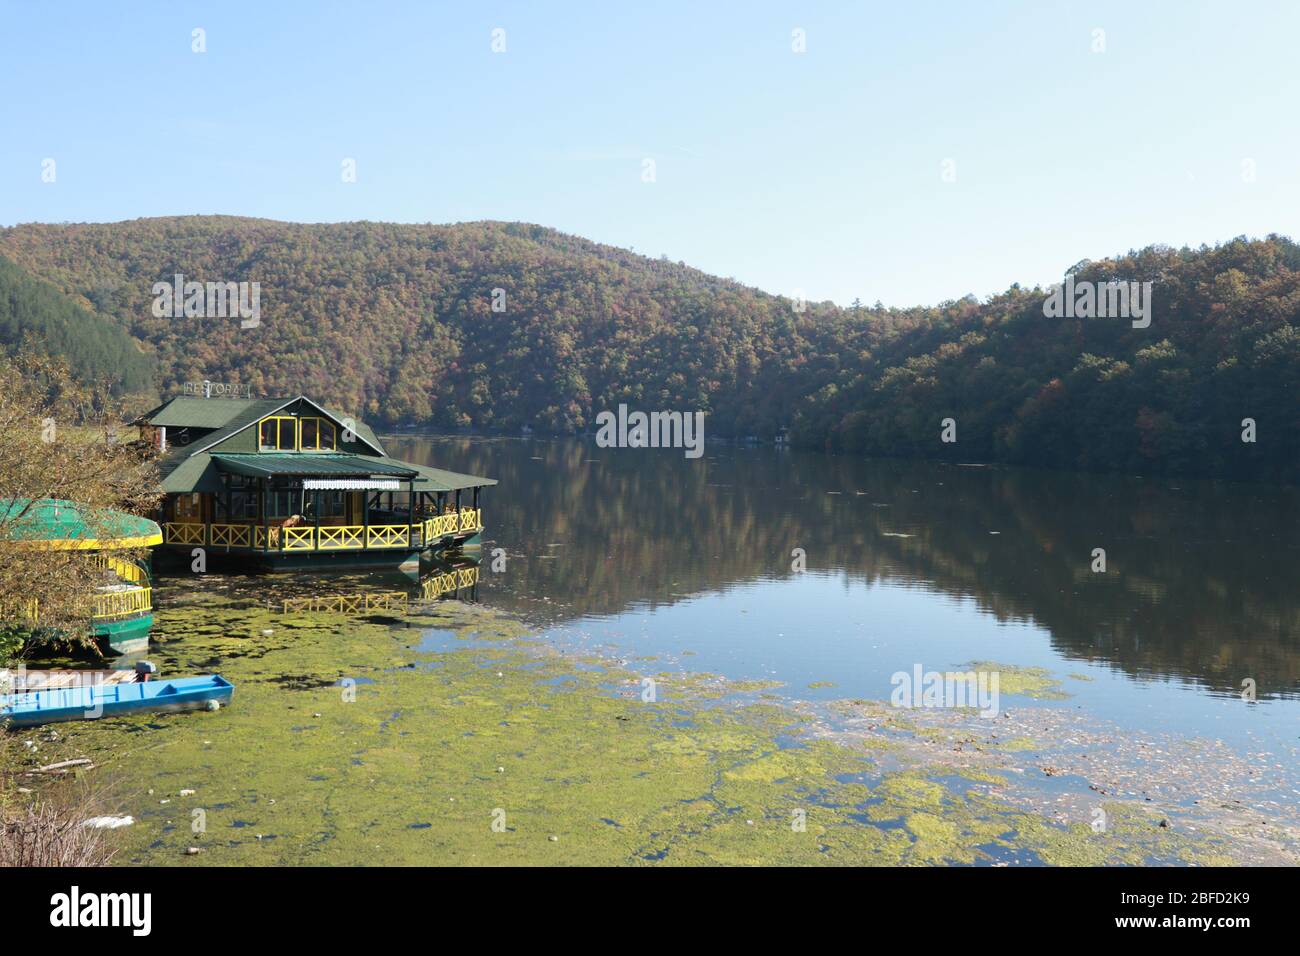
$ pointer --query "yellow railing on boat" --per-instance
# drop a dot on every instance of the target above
(104, 607)
(30, 609)
(117, 604)
(126, 570)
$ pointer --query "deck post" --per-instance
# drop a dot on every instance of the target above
(266, 531)
(315, 507)
(365, 520)
(410, 512)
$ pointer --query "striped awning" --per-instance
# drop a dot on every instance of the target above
(352, 484)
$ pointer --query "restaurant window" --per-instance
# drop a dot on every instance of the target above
(278, 434)
(189, 507)
(243, 506)
(318, 434)
(283, 504)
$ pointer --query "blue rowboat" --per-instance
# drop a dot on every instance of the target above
(91, 701)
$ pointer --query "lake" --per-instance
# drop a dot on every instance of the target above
(643, 552)
(673, 661)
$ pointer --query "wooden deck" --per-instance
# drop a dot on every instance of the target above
(306, 537)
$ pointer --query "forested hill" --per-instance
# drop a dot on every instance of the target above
(396, 322)
(96, 349)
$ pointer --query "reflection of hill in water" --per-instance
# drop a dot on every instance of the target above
(1203, 578)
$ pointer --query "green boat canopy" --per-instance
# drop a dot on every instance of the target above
(52, 524)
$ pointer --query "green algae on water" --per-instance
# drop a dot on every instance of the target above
(1036, 682)
(349, 742)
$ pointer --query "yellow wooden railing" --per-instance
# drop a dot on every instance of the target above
(298, 539)
(126, 570)
(29, 609)
(117, 604)
(342, 538)
(104, 607)
(471, 519)
(230, 535)
(440, 525)
(328, 537)
(183, 532)
(387, 536)
(467, 519)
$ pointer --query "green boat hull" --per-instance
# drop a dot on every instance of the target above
(127, 636)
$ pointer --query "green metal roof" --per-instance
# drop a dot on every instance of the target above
(266, 465)
(247, 418)
(232, 415)
(184, 472)
(436, 479)
(360, 429)
(188, 412)
(65, 525)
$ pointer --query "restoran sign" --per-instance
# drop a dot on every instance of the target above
(218, 389)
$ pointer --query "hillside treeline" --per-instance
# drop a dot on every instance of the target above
(495, 326)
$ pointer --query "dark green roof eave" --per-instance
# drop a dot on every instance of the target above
(202, 472)
(189, 473)
(437, 479)
(269, 465)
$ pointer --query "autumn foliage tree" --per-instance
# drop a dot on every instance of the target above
(43, 454)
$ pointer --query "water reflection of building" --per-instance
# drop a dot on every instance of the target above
(450, 580)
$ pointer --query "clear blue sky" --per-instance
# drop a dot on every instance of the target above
(818, 172)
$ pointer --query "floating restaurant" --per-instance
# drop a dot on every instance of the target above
(286, 484)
